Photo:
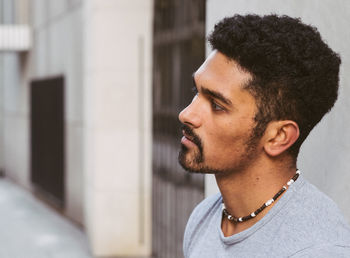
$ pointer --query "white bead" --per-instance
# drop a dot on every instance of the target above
(290, 182)
(298, 172)
(285, 187)
(240, 219)
(252, 215)
(269, 202)
(230, 217)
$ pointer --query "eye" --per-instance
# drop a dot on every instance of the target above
(215, 106)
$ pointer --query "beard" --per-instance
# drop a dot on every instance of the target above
(198, 156)
(196, 163)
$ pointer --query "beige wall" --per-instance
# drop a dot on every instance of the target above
(324, 158)
(118, 126)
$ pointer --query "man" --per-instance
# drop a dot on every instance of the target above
(267, 83)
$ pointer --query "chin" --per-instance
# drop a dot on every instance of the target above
(196, 168)
(186, 164)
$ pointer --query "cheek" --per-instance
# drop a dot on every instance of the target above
(222, 140)
(230, 137)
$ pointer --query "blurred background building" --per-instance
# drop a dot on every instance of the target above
(90, 91)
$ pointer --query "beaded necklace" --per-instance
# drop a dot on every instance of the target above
(266, 204)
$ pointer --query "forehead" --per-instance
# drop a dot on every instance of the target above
(220, 70)
(223, 75)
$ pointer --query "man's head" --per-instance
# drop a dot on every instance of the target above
(287, 70)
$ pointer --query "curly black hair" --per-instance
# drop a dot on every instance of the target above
(295, 74)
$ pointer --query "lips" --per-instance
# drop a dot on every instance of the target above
(191, 140)
(187, 136)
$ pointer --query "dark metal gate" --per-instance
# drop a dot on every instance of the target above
(179, 49)
(47, 138)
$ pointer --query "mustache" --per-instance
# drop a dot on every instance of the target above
(194, 137)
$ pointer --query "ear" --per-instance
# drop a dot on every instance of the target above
(280, 135)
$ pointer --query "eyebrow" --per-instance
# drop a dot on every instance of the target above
(212, 93)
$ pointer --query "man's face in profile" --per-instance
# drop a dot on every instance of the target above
(219, 122)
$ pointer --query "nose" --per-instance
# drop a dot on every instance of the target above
(191, 114)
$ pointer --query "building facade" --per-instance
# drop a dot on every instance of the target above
(98, 69)
(88, 68)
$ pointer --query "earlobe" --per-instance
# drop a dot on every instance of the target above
(281, 135)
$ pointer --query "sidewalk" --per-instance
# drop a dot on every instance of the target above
(30, 229)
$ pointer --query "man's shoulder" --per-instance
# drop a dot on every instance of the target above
(200, 219)
(313, 221)
(316, 205)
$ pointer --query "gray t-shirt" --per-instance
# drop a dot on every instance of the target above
(303, 223)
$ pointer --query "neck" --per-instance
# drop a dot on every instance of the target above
(246, 190)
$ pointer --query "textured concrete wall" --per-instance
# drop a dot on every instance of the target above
(57, 41)
(1, 114)
(15, 148)
(14, 106)
(103, 49)
(57, 50)
(325, 155)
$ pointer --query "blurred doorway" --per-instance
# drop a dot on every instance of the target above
(178, 50)
(47, 138)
